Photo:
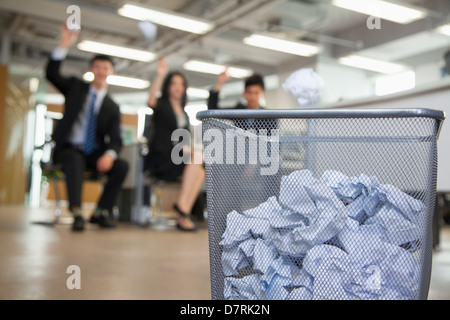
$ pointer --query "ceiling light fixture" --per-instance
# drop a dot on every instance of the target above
(282, 45)
(214, 68)
(116, 51)
(445, 29)
(121, 81)
(395, 83)
(167, 18)
(197, 93)
(383, 9)
(371, 64)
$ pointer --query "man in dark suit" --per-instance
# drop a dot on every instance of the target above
(254, 90)
(88, 136)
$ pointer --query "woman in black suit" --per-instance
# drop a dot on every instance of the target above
(168, 116)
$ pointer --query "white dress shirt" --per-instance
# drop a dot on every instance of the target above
(78, 134)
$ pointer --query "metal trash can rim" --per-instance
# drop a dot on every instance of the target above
(395, 148)
(322, 113)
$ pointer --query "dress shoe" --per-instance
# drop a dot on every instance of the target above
(102, 221)
(78, 223)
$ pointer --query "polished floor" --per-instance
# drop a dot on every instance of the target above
(129, 262)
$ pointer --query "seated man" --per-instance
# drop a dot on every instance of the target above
(254, 90)
(253, 94)
(88, 136)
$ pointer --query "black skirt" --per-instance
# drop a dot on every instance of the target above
(162, 167)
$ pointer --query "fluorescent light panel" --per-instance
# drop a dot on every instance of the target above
(282, 45)
(117, 51)
(127, 82)
(197, 93)
(371, 64)
(213, 68)
(445, 29)
(166, 18)
(395, 83)
(383, 9)
(121, 81)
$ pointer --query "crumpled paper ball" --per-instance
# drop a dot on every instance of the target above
(305, 84)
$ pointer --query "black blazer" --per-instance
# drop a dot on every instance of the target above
(256, 124)
(75, 92)
(213, 101)
(163, 123)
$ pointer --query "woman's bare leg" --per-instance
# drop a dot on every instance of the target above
(191, 183)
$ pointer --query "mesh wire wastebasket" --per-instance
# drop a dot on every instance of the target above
(320, 204)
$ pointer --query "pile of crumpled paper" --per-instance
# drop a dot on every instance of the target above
(336, 237)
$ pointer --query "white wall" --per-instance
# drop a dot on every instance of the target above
(428, 73)
(342, 82)
(432, 97)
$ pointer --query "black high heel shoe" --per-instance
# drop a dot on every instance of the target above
(185, 215)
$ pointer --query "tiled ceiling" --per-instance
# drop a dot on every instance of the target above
(31, 29)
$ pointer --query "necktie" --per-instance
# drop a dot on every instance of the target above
(89, 144)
